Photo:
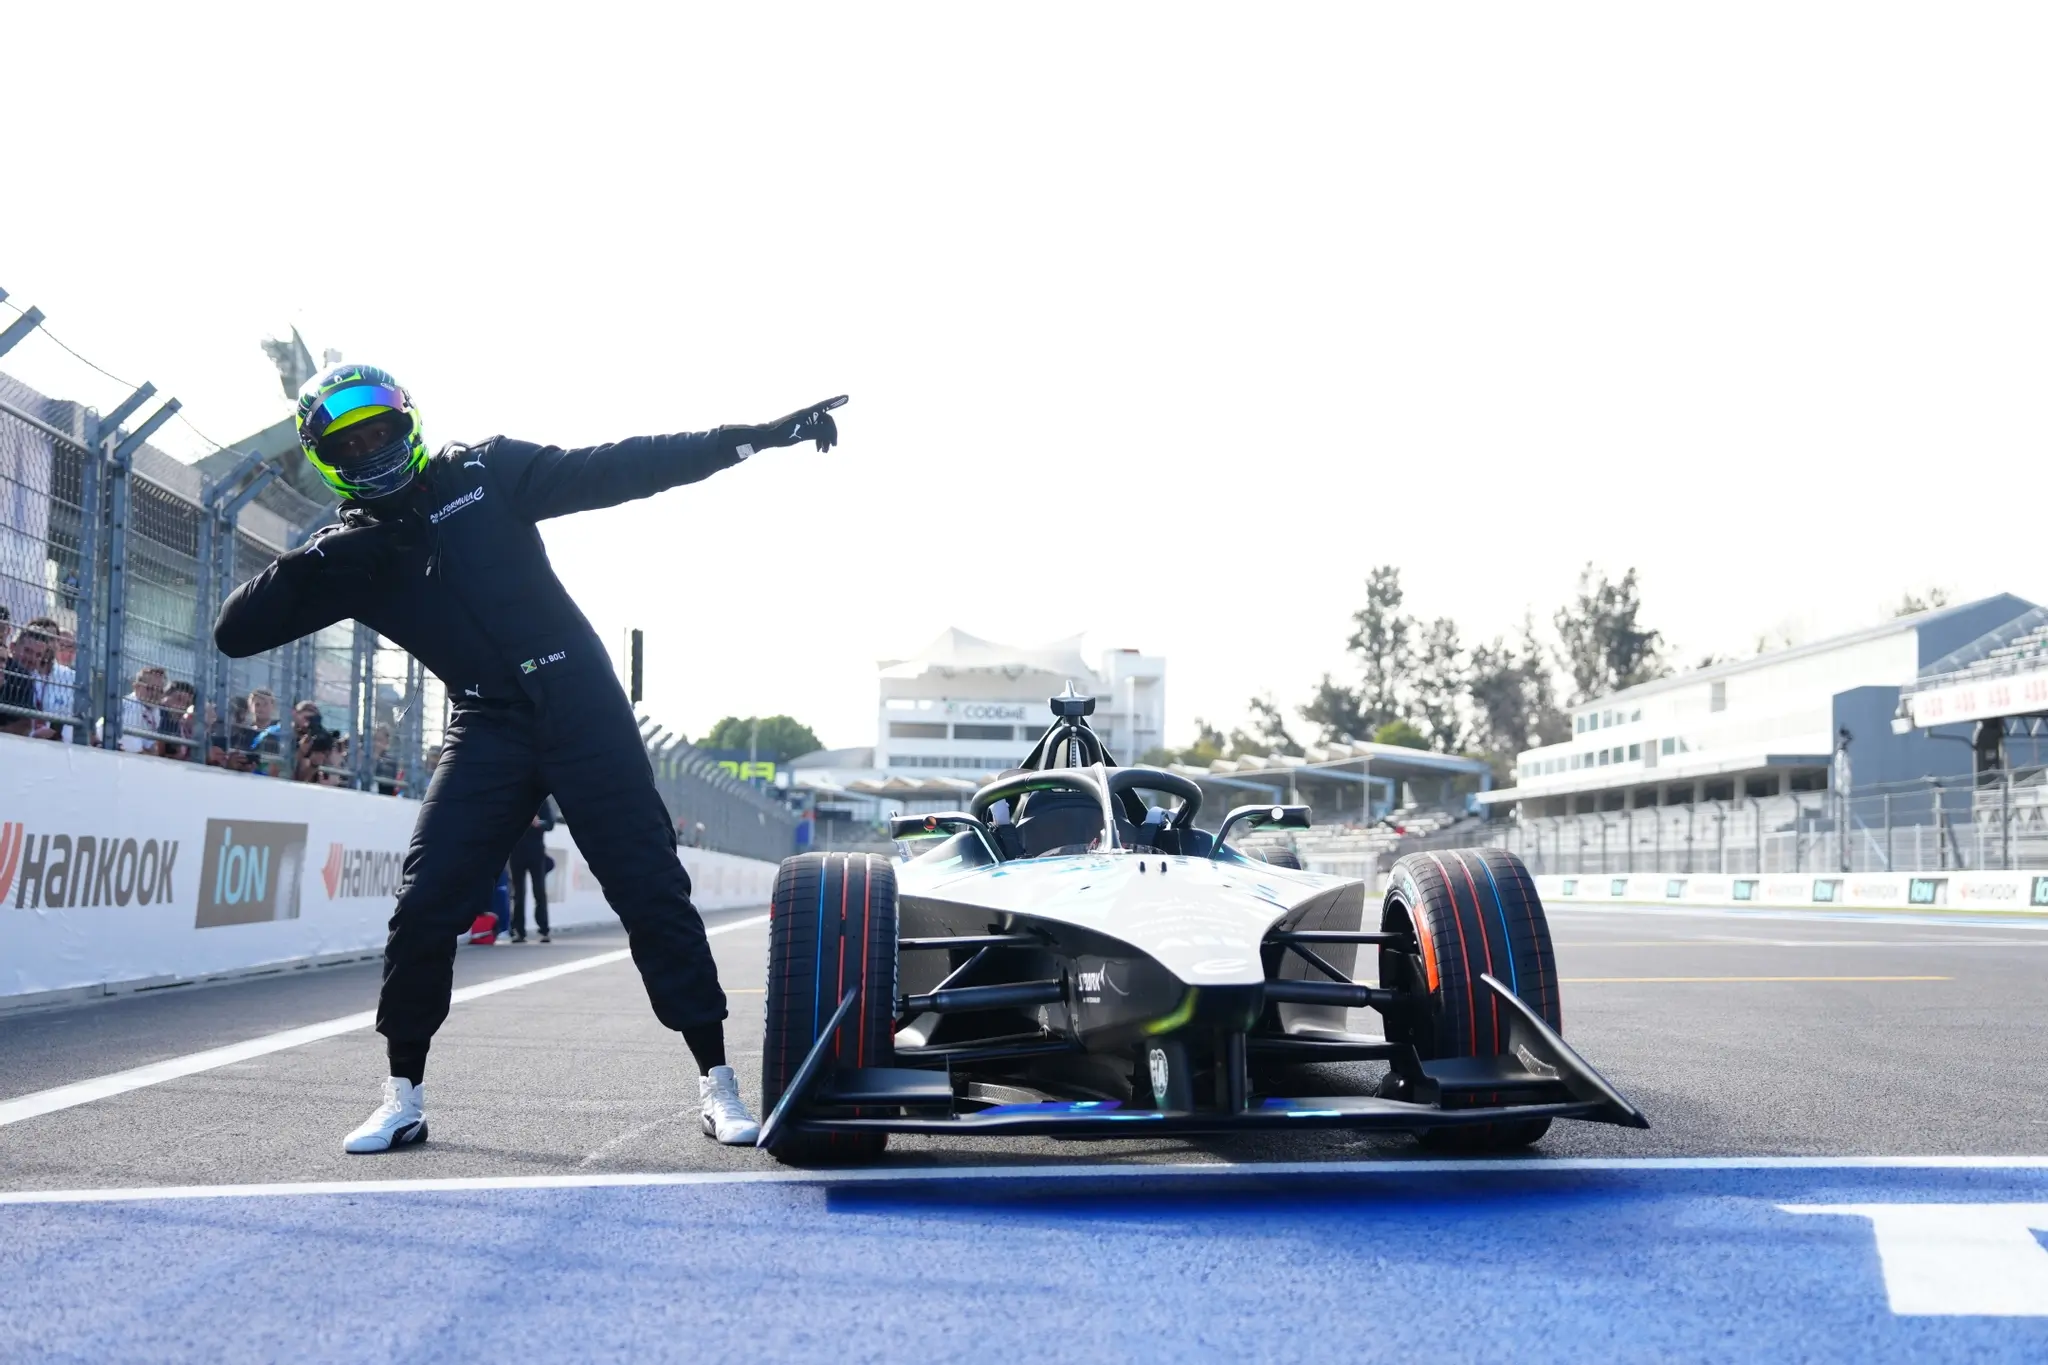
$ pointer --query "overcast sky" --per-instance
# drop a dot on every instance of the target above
(1161, 323)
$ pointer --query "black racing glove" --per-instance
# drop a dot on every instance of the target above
(357, 551)
(810, 424)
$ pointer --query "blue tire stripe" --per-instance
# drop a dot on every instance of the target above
(1502, 911)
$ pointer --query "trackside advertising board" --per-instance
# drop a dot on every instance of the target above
(119, 868)
(1950, 890)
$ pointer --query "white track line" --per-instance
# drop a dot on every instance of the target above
(1134, 1172)
(156, 1073)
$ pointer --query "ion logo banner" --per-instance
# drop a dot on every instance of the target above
(251, 872)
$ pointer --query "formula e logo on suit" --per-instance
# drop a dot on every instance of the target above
(59, 871)
(251, 872)
(469, 499)
(354, 873)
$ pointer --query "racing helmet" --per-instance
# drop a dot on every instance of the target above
(346, 396)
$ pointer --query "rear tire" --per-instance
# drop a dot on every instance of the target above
(1283, 857)
(831, 928)
(1473, 911)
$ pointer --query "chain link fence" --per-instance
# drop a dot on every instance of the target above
(119, 556)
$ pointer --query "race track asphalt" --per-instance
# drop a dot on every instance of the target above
(1741, 1034)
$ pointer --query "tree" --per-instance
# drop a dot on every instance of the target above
(1402, 733)
(1513, 698)
(1439, 683)
(1268, 734)
(1383, 639)
(1209, 746)
(780, 738)
(1499, 688)
(1605, 647)
(1337, 711)
(1547, 723)
(1913, 603)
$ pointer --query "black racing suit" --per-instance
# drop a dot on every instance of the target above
(530, 864)
(467, 588)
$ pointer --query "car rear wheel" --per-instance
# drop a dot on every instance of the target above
(831, 928)
(1473, 912)
(1283, 857)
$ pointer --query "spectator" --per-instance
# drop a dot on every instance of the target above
(57, 691)
(6, 629)
(530, 864)
(310, 735)
(140, 717)
(316, 756)
(384, 764)
(266, 734)
(176, 714)
(229, 743)
(19, 678)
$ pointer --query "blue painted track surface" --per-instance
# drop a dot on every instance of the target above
(1635, 1263)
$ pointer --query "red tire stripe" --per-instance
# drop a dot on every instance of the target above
(867, 898)
(1485, 942)
(1464, 953)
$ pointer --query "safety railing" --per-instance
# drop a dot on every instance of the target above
(1992, 821)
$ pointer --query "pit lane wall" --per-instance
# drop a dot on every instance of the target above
(2010, 892)
(119, 872)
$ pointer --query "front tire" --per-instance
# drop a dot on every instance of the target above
(1473, 912)
(831, 928)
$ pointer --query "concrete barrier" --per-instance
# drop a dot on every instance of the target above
(120, 872)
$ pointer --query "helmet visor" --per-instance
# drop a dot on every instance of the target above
(338, 405)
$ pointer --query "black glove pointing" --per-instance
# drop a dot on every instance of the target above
(810, 424)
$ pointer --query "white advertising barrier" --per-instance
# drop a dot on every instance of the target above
(116, 868)
(2023, 892)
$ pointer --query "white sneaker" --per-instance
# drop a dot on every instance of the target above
(725, 1113)
(401, 1119)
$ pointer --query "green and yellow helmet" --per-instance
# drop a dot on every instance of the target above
(344, 397)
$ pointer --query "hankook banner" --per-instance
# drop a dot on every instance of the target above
(117, 868)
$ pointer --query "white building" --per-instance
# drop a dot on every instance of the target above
(1754, 728)
(963, 706)
(963, 709)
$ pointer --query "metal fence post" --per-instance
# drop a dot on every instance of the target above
(1887, 831)
(117, 595)
(364, 764)
(88, 666)
(207, 660)
(2005, 816)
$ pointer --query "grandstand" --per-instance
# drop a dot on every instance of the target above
(1812, 758)
(2001, 675)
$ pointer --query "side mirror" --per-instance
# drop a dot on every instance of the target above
(1263, 817)
(942, 822)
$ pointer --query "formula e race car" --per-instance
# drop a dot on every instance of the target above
(1072, 956)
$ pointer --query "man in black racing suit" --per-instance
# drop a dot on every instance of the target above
(442, 555)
